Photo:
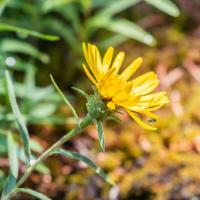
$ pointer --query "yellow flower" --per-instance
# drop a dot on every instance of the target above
(118, 89)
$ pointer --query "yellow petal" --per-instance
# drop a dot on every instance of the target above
(85, 52)
(130, 70)
(145, 88)
(149, 114)
(143, 78)
(117, 63)
(97, 57)
(111, 105)
(140, 122)
(107, 59)
(90, 59)
(154, 96)
(89, 75)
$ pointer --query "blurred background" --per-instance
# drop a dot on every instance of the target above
(39, 37)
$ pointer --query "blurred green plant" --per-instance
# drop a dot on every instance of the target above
(13, 184)
(74, 21)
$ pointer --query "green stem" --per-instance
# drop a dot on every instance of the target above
(87, 121)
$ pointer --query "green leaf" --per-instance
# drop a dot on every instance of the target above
(36, 146)
(9, 185)
(27, 32)
(113, 40)
(71, 13)
(18, 116)
(49, 5)
(116, 7)
(2, 179)
(42, 110)
(14, 167)
(12, 155)
(3, 4)
(81, 92)
(166, 6)
(33, 193)
(65, 99)
(18, 46)
(87, 161)
(101, 135)
(64, 30)
(130, 30)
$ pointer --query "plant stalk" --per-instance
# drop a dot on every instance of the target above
(86, 121)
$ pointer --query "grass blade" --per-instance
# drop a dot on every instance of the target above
(27, 32)
(18, 116)
(65, 99)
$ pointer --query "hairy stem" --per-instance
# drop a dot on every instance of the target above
(87, 121)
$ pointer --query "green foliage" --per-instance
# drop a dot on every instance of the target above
(86, 160)
(166, 6)
(65, 99)
(14, 167)
(101, 135)
(18, 117)
(27, 29)
(32, 193)
(27, 32)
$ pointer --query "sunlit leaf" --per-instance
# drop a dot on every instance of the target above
(116, 7)
(130, 30)
(2, 5)
(166, 6)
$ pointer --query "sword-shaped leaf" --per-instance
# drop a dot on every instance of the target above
(101, 135)
(33, 193)
(87, 161)
(19, 119)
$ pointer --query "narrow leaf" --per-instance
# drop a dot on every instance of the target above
(18, 116)
(81, 92)
(13, 163)
(87, 161)
(27, 32)
(9, 185)
(9, 45)
(33, 193)
(3, 4)
(65, 99)
(166, 6)
(101, 135)
(50, 5)
(12, 155)
(118, 6)
(130, 30)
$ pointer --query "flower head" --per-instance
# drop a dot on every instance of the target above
(118, 89)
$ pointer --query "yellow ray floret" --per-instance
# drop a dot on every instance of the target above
(118, 89)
